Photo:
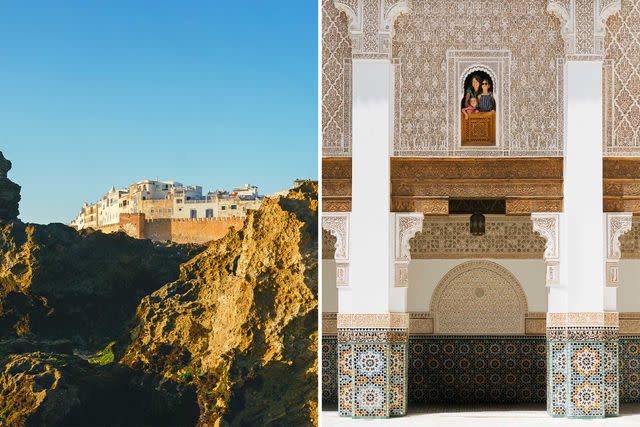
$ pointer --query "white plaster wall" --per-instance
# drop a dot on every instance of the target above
(424, 275)
(629, 287)
(329, 290)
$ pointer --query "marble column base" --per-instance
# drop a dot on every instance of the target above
(372, 372)
(582, 371)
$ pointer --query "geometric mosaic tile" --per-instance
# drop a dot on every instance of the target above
(397, 379)
(370, 396)
(480, 369)
(329, 369)
(586, 380)
(611, 376)
(629, 365)
(345, 380)
(558, 355)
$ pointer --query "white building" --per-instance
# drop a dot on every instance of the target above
(109, 206)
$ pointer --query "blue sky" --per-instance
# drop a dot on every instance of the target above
(102, 93)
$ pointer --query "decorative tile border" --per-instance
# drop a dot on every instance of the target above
(421, 323)
(372, 335)
(582, 334)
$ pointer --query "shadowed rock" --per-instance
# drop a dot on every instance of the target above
(9, 193)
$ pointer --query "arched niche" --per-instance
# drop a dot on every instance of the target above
(479, 298)
(479, 107)
(460, 64)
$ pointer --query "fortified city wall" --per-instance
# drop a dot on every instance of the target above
(175, 230)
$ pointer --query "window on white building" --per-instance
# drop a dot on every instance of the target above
(194, 214)
(209, 213)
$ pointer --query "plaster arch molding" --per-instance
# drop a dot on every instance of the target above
(479, 298)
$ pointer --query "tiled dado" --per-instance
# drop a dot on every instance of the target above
(476, 369)
(629, 369)
(528, 384)
(329, 369)
(371, 368)
(583, 371)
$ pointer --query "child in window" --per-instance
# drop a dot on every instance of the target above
(472, 108)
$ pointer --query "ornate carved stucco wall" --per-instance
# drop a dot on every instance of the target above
(336, 82)
(479, 297)
(505, 238)
(523, 29)
(622, 81)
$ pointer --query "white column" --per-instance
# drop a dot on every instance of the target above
(582, 231)
(371, 226)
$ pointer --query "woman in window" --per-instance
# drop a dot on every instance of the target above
(472, 91)
(486, 102)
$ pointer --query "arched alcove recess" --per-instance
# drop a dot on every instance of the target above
(479, 298)
(473, 69)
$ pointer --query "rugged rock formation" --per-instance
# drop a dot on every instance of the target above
(9, 193)
(57, 389)
(240, 323)
(222, 335)
(57, 283)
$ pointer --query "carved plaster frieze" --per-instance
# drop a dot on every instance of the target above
(329, 323)
(548, 226)
(598, 318)
(583, 25)
(617, 224)
(371, 25)
(406, 226)
(337, 223)
(336, 82)
(621, 77)
(373, 320)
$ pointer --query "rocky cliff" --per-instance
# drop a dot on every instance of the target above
(102, 329)
(240, 323)
(9, 193)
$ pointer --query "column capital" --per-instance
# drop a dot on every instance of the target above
(406, 226)
(616, 224)
(583, 25)
(371, 25)
(547, 224)
(337, 224)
